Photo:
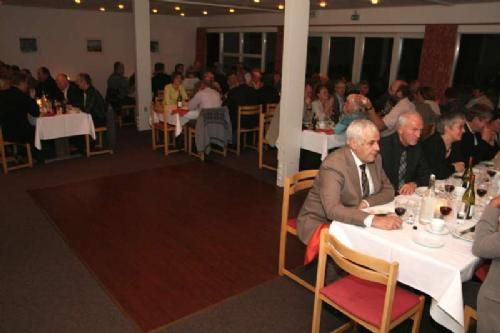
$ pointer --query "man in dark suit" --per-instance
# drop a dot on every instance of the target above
(350, 179)
(339, 97)
(487, 245)
(472, 143)
(160, 79)
(402, 154)
(46, 84)
(69, 91)
(93, 103)
(243, 94)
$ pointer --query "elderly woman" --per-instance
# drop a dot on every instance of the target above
(442, 149)
(322, 107)
(354, 108)
(172, 90)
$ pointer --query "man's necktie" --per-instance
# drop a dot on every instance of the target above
(364, 181)
(402, 168)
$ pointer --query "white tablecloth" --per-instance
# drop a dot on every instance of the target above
(320, 143)
(438, 272)
(175, 119)
(63, 125)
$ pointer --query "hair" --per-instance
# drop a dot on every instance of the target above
(357, 130)
(449, 120)
(363, 83)
(85, 77)
(480, 111)
(404, 118)
(176, 67)
(116, 65)
(45, 71)
(405, 90)
(18, 78)
(427, 93)
(63, 75)
(177, 74)
(159, 67)
(451, 92)
(318, 88)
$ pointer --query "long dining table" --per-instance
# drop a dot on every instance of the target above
(320, 141)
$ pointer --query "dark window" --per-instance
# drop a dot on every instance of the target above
(313, 55)
(229, 63)
(252, 42)
(341, 57)
(271, 52)
(376, 66)
(410, 59)
(213, 47)
(252, 62)
(231, 42)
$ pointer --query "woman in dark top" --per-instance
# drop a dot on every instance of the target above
(442, 149)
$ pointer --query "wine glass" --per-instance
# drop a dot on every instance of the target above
(400, 206)
(449, 187)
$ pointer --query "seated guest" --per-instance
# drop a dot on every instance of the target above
(268, 93)
(350, 179)
(386, 102)
(414, 88)
(442, 149)
(179, 68)
(241, 95)
(173, 90)
(364, 89)
(46, 84)
(93, 103)
(428, 115)
(308, 99)
(491, 132)
(479, 97)
(160, 79)
(487, 245)
(429, 98)
(403, 156)
(472, 143)
(451, 103)
(205, 98)
(209, 79)
(256, 79)
(322, 107)
(354, 108)
(339, 97)
(69, 91)
(190, 83)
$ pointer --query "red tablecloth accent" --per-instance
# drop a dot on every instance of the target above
(312, 249)
(482, 271)
(48, 114)
(181, 112)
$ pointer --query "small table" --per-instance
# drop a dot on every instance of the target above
(320, 142)
(63, 125)
(174, 118)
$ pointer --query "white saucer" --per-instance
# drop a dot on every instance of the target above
(445, 230)
(428, 240)
(468, 236)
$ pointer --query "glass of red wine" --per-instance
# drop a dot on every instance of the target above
(445, 211)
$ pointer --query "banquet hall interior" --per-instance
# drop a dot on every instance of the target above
(126, 238)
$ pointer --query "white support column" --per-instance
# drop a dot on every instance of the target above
(292, 92)
(142, 29)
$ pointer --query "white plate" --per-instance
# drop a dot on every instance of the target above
(421, 191)
(445, 230)
(488, 163)
(469, 236)
(428, 240)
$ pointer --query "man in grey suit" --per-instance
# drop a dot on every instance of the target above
(487, 245)
(350, 179)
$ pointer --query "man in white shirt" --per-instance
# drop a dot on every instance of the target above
(205, 98)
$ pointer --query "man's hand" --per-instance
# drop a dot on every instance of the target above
(459, 166)
(388, 222)
(408, 188)
(363, 204)
(495, 202)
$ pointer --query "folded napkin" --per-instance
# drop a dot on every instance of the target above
(312, 249)
(180, 112)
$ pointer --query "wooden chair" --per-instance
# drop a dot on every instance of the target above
(168, 130)
(99, 131)
(126, 110)
(192, 136)
(469, 313)
(368, 294)
(5, 160)
(247, 111)
(302, 180)
(264, 122)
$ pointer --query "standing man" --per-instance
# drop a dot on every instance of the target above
(402, 154)
(69, 91)
(350, 179)
(118, 84)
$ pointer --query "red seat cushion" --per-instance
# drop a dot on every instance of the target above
(292, 222)
(160, 126)
(365, 299)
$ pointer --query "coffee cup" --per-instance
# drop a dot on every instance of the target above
(459, 192)
(437, 225)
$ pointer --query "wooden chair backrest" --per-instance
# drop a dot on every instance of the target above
(265, 121)
(302, 180)
(362, 266)
(1, 136)
(271, 108)
(249, 110)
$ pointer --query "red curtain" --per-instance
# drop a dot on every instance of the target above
(278, 56)
(201, 46)
(436, 60)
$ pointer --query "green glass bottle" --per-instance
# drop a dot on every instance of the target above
(469, 199)
(467, 173)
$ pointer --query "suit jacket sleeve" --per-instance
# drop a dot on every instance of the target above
(487, 242)
(386, 192)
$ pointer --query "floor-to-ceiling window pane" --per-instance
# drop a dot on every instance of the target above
(231, 42)
(410, 59)
(229, 63)
(341, 57)
(270, 51)
(313, 55)
(251, 63)
(213, 43)
(252, 42)
(376, 65)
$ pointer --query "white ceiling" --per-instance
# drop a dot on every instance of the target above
(221, 7)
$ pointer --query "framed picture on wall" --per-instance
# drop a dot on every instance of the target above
(94, 45)
(28, 45)
(155, 46)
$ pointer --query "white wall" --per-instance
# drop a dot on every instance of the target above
(62, 34)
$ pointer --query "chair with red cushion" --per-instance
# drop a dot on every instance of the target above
(368, 295)
(168, 130)
(301, 181)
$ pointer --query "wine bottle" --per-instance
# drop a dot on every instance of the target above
(467, 173)
(469, 199)
(428, 202)
(179, 100)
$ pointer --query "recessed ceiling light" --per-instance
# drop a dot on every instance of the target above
(231, 10)
(177, 8)
(281, 6)
(322, 4)
(205, 12)
(155, 10)
(256, 1)
(102, 9)
(182, 14)
(77, 1)
(121, 6)
(374, 2)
